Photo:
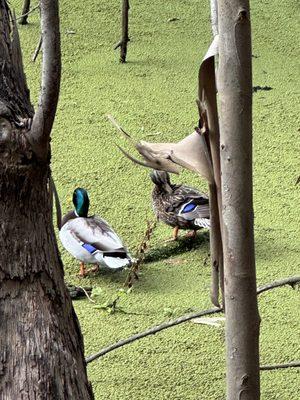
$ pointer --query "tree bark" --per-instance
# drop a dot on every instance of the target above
(41, 345)
(235, 91)
(42, 355)
(24, 17)
(125, 37)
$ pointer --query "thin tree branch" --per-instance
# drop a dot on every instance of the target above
(293, 364)
(118, 45)
(151, 331)
(37, 50)
(51, 71)
(292, 281)
(23, 17)
(174, 322)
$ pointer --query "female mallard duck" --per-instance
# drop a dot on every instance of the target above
(90, 239)
(179, 206)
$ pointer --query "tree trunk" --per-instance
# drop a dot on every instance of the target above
(42, 355)
(125, 36)
(24, 17)
(41, 345)
(235, 91)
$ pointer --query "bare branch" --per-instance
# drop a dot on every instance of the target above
(118, 45)
(292, 281)
(169, 324)
(26, 12)
(151, 331)
(37, 50)
(293, 364)
(51, 72)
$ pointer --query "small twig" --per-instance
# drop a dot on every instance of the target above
(37, 50)
(87, 295)
(292, 281)
(118, 45)
(151, 331)
(293, 364)
(119, 128)
(140, 255)
(29, 12)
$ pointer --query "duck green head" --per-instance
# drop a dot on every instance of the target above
(81, 202)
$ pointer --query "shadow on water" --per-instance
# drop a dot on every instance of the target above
(171, 249)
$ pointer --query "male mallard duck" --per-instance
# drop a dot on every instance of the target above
(179, 206)
(90, 239)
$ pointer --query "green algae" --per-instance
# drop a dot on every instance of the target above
(155, 92)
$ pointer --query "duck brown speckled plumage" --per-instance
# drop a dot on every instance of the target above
(179, 206)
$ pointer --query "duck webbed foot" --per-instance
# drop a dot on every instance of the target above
(175, 235)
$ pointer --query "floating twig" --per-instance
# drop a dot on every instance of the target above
(151, 331)
(182, 319)
(291, 281)
(293, 364)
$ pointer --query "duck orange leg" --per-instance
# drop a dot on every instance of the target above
(82, 271)
(175, 235)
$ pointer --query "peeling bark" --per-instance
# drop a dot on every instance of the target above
(235, 91)
(207, 103)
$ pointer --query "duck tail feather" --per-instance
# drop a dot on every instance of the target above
(202, 222)
(116, 262)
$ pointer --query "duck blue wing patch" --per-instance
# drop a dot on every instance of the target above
(91, 249)
(189, 207)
